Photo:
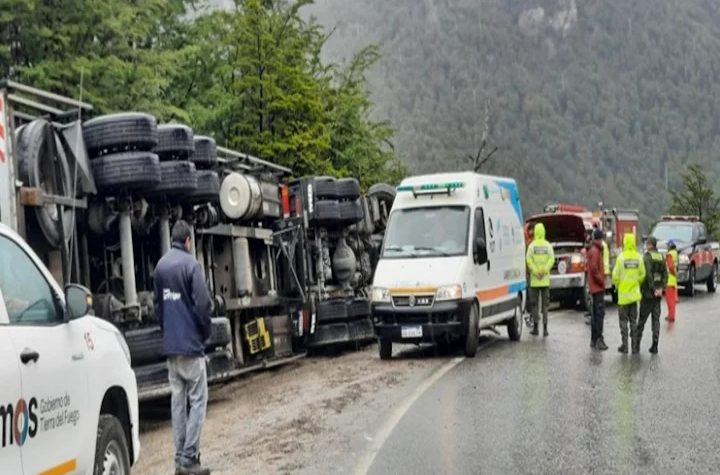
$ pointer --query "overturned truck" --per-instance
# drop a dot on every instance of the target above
(287, 262)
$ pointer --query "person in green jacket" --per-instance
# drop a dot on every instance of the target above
(540, 259)
(652, 292)
(628, 275)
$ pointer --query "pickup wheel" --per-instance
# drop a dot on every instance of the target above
(112, 455)
(472, 339)
(712, 280)
(690, 286)
(515, 324)
(384, 349)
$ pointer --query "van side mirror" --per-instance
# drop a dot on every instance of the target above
(78, 301)
(702, 240)
(480, 251)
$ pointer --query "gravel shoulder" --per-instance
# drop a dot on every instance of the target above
(315, 416)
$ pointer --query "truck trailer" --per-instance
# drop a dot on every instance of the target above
(96, 199)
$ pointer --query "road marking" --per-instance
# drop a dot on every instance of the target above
(381, 437)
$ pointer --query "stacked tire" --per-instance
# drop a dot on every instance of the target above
(175, 149)
(120, 147)
(205, 159)
(343, 321)
(337, 202)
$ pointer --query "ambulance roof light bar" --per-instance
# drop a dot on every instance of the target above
(431, 188)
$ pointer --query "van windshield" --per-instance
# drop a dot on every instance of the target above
(438, 231)
(676, 231)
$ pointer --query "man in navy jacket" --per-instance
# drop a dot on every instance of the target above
(182, 306)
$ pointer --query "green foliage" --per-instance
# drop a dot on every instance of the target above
(585, 105)
(250, 76)
(697, 198)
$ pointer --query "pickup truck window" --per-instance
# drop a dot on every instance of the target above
(676, 231)
(28, 297)
(702, 232)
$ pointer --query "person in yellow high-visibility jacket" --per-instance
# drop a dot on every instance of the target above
(540, 259)
(628, 274)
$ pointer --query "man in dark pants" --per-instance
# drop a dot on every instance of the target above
(652, 291)
(588, 245)
(182, 306)
(596, 278)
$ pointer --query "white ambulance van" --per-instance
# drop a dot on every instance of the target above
(452, 262)
(68, 396)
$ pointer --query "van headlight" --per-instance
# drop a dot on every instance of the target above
(684, 259)
(123, 344)
(448, 292)
(380, 295)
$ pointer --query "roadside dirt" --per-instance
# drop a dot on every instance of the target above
(313, 416)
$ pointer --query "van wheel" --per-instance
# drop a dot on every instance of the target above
(112, 455)
(515, 324)
(385, 349)
(472, 338)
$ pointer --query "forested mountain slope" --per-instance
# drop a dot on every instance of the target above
(587, 100)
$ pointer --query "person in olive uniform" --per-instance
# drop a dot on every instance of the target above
(652, 291)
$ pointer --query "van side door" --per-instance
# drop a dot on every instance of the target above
(10, 402)
(50, 353)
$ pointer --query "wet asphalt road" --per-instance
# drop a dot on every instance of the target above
(554, 406)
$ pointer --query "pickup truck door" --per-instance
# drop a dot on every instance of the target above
(10, 401)
(50, 356)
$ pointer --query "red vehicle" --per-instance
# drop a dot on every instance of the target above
(567, 227)
(697, 252)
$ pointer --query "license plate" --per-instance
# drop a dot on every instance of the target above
(411, 332)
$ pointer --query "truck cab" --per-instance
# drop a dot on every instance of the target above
(697, 251)
(452, 262)
(61, 410)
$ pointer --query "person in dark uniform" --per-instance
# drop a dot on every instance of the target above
(652, 291)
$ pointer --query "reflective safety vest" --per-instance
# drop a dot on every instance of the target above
(628, 274)
(672, 279)
(657, 268)
(606, 258)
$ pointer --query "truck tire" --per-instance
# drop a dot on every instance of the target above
(515, 324)
(208, 187)
(127, 171)
(220, 332)
(112, 453)
(205, 154)
(35, 168)
(325, 187)
(125, 131)
(327, 212)
(351, 212)
(712, 280)
(145, 345)
(179, 178)
(175, 142)
(472, 339)
(359, 308)
(348, 189)
(384, 349)
(383, 192)
(332, 311)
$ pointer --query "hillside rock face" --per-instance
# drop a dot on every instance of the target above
(588, 101)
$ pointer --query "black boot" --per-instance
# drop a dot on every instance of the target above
(534, 331)
(624, 347)
(600, 344)
(653, 348)
(635, 347)
(545, 332)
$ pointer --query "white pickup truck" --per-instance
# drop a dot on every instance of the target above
(68, 396)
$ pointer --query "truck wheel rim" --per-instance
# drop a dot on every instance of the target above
(112, 463)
